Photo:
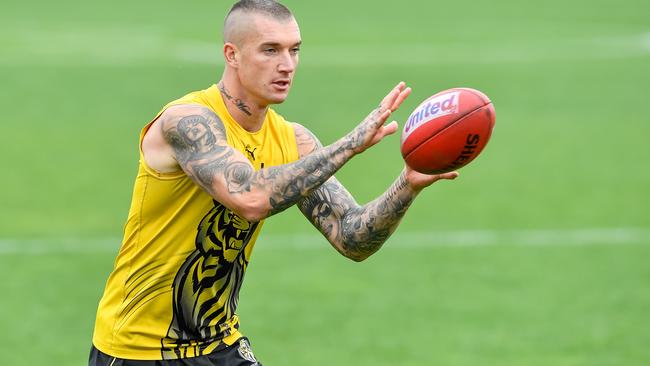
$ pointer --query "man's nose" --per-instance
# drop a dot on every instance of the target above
(288, 63)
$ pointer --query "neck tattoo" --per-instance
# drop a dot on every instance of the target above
(236, 101)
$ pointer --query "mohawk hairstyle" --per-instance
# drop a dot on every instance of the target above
(271, 8)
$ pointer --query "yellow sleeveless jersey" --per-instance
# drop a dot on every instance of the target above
(174, 289)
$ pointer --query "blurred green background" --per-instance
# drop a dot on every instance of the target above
(537, 255)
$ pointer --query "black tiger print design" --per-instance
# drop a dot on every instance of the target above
(206, 287)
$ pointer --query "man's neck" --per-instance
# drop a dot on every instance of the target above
(249, 116)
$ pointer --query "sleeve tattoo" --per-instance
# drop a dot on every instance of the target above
(355, 231)
(200, 147)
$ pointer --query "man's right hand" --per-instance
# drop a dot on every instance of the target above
(372, 129)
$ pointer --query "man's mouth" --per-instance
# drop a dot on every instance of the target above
(281, 84)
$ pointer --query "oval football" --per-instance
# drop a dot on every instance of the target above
(447, 131)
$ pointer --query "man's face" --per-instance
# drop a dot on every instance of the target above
(268, 59)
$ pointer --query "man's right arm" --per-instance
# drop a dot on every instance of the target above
(198, 142)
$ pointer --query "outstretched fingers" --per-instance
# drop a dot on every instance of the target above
(390, 103)
(451, 175)
(390, 98)
(419, 181)
(400, 98)
(372, 129)
(395, 97)
(384, 131)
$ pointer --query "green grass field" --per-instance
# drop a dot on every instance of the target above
(537, 255)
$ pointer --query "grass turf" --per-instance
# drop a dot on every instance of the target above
(569, 151)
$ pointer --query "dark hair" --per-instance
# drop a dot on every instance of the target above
(268, 7)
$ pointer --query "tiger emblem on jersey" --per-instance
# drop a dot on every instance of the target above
(206, 287)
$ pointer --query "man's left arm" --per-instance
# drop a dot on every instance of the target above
(359, 231)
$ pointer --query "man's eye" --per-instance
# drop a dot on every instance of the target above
(270, 50)
(295, 51)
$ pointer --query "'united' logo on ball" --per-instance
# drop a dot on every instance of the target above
(447, 131)
(439, 106)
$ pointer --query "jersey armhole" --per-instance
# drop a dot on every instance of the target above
(151, 171)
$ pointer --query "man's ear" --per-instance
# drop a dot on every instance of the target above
(231, 54)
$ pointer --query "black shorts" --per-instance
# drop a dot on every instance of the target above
(239, 354)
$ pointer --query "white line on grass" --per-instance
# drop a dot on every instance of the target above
(111, 46)
(401, 240)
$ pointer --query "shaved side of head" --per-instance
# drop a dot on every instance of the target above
(239, 21)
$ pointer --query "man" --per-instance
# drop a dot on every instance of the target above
(213, 165)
